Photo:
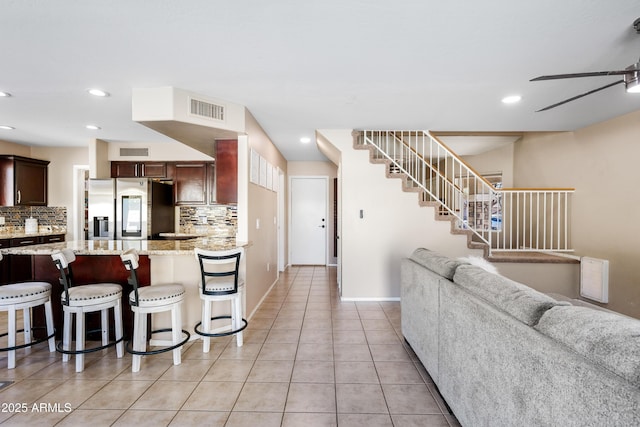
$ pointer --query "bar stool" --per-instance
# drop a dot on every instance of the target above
(153, 299)
(220, 281)
(83, 299)
(25, 296)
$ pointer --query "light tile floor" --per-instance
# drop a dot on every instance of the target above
(308, 360)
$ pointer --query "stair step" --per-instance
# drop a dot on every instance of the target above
(531, 257)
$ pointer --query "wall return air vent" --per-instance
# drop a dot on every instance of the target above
(134, 152)
(206, 110)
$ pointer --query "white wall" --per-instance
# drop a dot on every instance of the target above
(393, 226)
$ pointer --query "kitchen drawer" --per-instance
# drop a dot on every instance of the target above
(5, 243)
(54, 238)
(24, 241)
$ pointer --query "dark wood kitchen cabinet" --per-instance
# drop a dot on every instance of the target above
(24, 181)
(20, 265)
(19, 268)
(4, 263)
(190, 182)
(139, 170)
(226, 173)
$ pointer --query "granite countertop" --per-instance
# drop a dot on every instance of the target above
(18, 232)
(144, 247)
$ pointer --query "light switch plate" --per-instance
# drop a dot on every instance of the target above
(1, 220)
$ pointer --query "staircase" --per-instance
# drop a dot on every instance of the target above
(506, 220)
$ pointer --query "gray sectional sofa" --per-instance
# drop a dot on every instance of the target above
(503, 354)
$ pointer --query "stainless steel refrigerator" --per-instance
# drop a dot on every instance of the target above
(129, 209)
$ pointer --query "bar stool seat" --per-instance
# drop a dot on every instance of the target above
(25, 296)
(83, 299)
(158, 295)
(92, 294)
(153, 299)
(24, 292)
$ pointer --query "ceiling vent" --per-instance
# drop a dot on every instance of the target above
(134, 152)
(206, 110)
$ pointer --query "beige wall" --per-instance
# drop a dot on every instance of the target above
(14, 149)
(261, 205)
(498, 160)
(329, 170)
(60, 172)
(158, 151)
(599, 161)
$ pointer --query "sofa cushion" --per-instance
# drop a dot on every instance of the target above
(438, 263)
(607, 339)
(520, 301)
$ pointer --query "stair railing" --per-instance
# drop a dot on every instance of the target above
(503, 219)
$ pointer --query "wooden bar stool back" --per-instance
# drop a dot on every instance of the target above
(153, 299)
(220, 281)
(82, 299)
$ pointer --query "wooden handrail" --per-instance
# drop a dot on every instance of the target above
(455, 156)
(567, 190)
(433, 169)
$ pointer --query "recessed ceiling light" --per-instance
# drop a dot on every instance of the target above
(305, 140)
(93, 127)
(511, 99)
(4, 94)
(98, 92)
(5, 127)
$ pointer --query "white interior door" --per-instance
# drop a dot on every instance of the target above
(308, 237)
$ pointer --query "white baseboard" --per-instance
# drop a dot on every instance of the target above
(262, 299)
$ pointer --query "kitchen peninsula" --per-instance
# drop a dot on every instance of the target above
(161, 262)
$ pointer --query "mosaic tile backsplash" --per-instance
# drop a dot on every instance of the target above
(14, 216)
(49, 218)
(219, 220)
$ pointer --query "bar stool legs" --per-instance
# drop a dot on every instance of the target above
(25, 296)
(79, 313)
(12, 330)
(139, 339)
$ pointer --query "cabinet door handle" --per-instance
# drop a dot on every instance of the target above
(19, 197)
(54, 239)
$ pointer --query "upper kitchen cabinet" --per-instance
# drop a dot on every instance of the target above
(226, 177)
(24, 181)
(190, 182)
(138, 170)
(202, 183)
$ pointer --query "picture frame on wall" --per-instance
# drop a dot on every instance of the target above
(263, 172)
(269, 176)
(276, 178)
(254, 176)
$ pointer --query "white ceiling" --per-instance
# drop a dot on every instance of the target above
(300, 66)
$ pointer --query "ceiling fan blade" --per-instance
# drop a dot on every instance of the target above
(580, 96)
(592, 74)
